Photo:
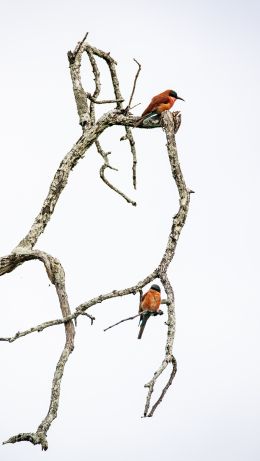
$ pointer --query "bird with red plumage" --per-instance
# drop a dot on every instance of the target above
(149, 305)
(161, 102)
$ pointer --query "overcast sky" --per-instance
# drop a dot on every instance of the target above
(208, 52)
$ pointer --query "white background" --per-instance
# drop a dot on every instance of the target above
(208, 52)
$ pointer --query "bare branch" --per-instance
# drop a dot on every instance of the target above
(56, 275)
(134, 85)
(138, 104)
(37, 328)
(86, 315)
(72, 55)
(112, 68)
(165, 389)
(93, 117)
(40, 436)
(130, 138)
(97, 90)
(51, 323)
(109, 184)
(129, 135)
(121, 321)
(42, 326)
(140, 301)
(119, 100)
(134, 317)
(106, 165)
(177, 225)
(103, 101)
(118, 293)
(79, 92)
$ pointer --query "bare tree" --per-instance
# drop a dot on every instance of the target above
(25, 250)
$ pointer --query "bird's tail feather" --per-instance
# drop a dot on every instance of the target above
(146, 117)
(143, 320)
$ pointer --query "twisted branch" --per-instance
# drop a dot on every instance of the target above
(56, 275)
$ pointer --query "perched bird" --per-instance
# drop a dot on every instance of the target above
(159, 103)
(150, 302)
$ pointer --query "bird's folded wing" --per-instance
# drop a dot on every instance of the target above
(143, 298)
(156, 101)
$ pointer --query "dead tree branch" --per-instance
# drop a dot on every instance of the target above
(56, 275)
(24, 251)
(134, 86)
(177, 225)
(121, 321)
(129, 134)
(103, 101)
(132, 318)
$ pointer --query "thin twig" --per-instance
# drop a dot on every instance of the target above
(103, 101)
(72, 55)
(131, 140)
(109, 184)
(121, 321)
(134, 317)
(134, 85)
(97, 81)
(106, 165)
(129, 134)
(92, 319)
(133, 107)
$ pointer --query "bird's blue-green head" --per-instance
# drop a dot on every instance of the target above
(156, 288)
(173, 94)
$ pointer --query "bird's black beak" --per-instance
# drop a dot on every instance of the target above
(178, 97)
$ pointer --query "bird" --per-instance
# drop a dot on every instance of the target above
(149, 304)
(159, 103)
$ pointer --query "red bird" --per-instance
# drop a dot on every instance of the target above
(159, 103)
(150, 302)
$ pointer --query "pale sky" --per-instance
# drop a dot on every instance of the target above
(208, 52)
